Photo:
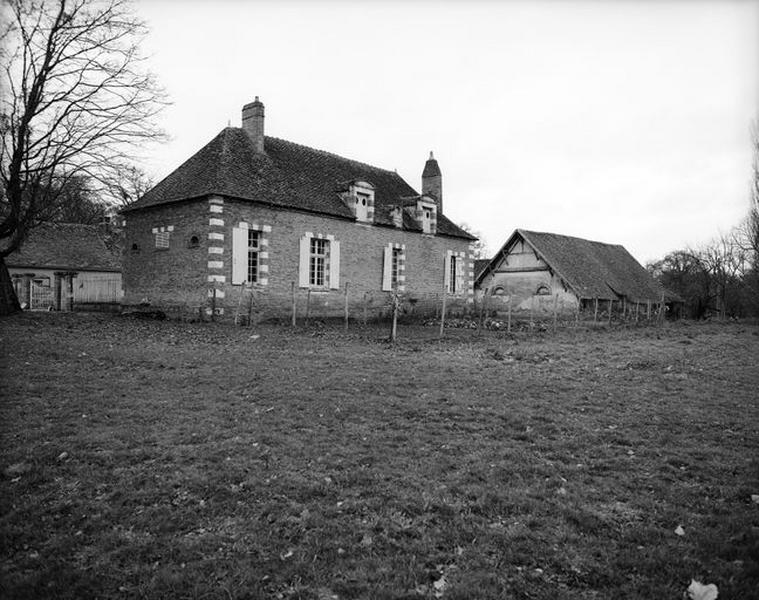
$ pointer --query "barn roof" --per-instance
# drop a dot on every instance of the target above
(591, 269)
(286, 175)
(66, 246)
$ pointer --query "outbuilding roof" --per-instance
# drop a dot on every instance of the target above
(66, 246)
(286, 175)
(591, 269)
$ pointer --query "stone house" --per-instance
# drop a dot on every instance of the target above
(63, 265)
(259, 220)
(540, 272)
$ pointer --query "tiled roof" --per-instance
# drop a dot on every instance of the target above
(288, 175)
(68, 246)
(592, 269)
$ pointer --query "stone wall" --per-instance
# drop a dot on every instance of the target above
(194, 278)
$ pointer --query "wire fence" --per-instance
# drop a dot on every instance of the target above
(254, 305)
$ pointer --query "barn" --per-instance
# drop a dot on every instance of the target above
(542, 272)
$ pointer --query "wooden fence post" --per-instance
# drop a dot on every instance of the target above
(595, 310)
(482, 311)
(365, 308)
(532, 311)
(213, 305)
(308, 306)
(611, 308)
(555, 310)
(346, 306)
(508, 322)
(442, 315)
(394, 327)
(292, 293)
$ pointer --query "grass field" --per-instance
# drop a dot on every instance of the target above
(170, 460)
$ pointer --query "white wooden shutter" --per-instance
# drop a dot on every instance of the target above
(334, 265)
(239, 255)
(387, 269)
(447, 273)
(461, 275)
(303, 262)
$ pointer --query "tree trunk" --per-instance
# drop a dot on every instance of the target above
(8, 300)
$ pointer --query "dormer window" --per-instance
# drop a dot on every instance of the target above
(427, 215)
(362, 202)
(360, 199)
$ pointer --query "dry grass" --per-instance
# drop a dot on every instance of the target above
(157, 459)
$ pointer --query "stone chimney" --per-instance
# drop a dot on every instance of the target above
(432, 182)
(253, 123)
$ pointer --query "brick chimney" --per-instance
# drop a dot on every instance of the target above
(432, 181)
(253, 123)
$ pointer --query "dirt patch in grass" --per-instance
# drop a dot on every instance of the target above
(160, 459)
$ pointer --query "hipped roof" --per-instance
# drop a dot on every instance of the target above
(591, 269)
(66, 246)
(286, 175)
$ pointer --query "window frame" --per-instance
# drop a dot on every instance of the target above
(254, 255)
(318, 255)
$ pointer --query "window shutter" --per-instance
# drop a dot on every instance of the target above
(303, 263)
(447, 272)
(387, 269)
(239, 255)
(461, 275)
(334, 265)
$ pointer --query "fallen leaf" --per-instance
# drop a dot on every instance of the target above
(286, 555)
(680, 530)
(755, 498)
(698, 591)
(439, 586)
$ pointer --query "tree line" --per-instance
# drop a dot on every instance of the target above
(721, 277)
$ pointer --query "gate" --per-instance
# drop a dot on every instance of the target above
(41, 297)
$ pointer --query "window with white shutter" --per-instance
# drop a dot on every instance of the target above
(319, 262)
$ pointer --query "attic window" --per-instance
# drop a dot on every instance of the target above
(362, 202)
(499, 291)
(543, 290)
(193, 242)
(135, 248)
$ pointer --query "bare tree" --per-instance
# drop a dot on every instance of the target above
(74, 101)
(480, 248)
(128, 185)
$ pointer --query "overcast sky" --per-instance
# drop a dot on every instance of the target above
(624, 122)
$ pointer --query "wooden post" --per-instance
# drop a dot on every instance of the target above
(532, 311)
(213, 305)
(365, 308)
(442, 315)
(346, 306)
(648, 310)
(624, 308)
(637, 311)
(577, 314)
(239, 304)
(292, 294)
(595, 310)
(251, 297)
(555, 310)
(482, 311)
(661, 310)
(508, 322)
(611, 308)
(308, 306)
(394, 328)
